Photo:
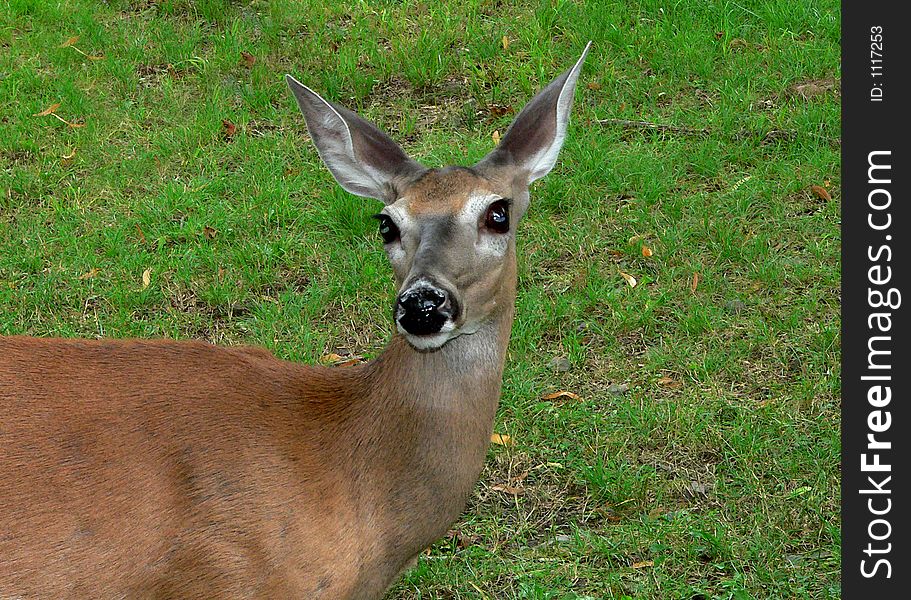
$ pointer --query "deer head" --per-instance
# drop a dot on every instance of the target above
(450, 232)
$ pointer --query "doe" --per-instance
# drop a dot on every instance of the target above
(160, 469)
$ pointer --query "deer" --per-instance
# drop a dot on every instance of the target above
(151, 469)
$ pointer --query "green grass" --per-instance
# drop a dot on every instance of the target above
(714, 475)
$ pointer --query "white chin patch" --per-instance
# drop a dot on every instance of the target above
(429, 342)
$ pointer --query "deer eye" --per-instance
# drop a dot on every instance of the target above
(388, 229)
(497, 217)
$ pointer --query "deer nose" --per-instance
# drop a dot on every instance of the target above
(423, 310)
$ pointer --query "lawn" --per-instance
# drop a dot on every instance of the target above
(156, 180)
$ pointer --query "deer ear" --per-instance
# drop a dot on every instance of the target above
(363, 159)
(533, 141)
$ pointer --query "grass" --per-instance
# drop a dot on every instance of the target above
(714, 474)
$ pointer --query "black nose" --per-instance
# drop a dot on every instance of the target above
(423, 311)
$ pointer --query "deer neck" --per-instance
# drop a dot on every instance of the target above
(429, 423)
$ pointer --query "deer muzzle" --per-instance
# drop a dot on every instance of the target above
(425, 308)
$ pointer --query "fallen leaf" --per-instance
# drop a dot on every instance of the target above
(499, 110)
(694, 283)
(146, 278)
(821, 192)
(505, 42)
(209, 232)
(594, 86)
(507, 489)
(69, 42)
(646, 251)
(643, 564)
(48, 111)
(501, 439)
(228, 129)
(629, 279)
(669, 382)
(561, 394)
(89, 274)
(337, 360)
(496, 137)
(142, 237)
(350, 362)
(248, 59)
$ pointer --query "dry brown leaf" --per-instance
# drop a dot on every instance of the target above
(69, 42)
(508, 489)
(646, 251)
(248, 59)
(501, 439)
(561, 394)
(89, 274)
(694, 283)
(496, 138)
(48, 111)
(821, 192)
(337, 360)
(629, 279)
(209, 232)
(146, 278)
(228, 129)
(669, 382)
(505, 42)
(643, 564)
(593, 86)
(140, 234)
(499, 110)
(350, 362)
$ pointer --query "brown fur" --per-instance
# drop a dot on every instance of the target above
(432, 194)
(156, 469)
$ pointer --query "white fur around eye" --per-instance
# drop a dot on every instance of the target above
(407, 226)
(472, 213)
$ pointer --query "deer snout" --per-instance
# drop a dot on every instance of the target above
(424, 309)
